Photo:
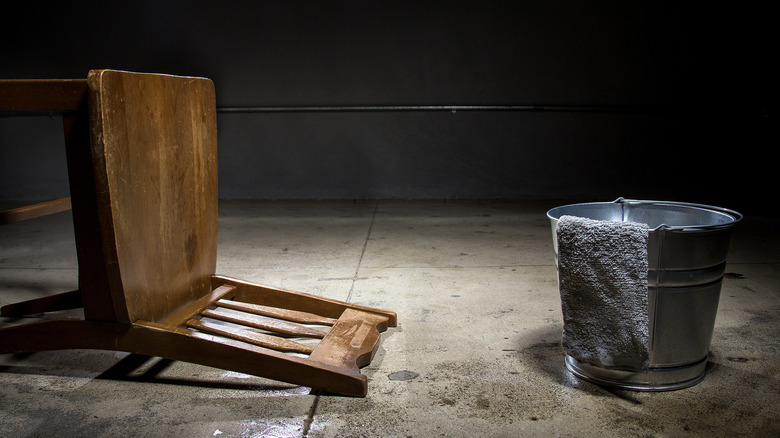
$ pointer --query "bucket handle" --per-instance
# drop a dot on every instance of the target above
(737, 216)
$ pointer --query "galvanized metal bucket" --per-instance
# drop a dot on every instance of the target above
(687, 248)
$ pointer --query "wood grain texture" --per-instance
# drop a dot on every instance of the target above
(152, 339)
(275, 312)
(300, 301)
(154, 148)
(43, 94)
(271, 325)
(351, 343)
(49, 303)
(94, 284)
(180, 317)
(35, 210)
(259, 339)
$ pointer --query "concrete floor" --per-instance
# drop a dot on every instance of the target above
(476, 352)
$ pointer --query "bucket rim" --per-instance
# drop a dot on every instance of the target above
(736, 216)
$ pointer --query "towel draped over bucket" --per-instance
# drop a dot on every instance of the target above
(602, 274)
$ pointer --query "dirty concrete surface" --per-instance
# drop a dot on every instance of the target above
(476, 352)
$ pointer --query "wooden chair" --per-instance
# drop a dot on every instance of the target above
(142, 165)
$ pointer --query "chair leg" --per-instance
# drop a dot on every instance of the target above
(51, 303)
(153, 339)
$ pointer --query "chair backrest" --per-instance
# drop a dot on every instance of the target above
(154, 157)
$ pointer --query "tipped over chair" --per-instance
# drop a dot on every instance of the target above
(142, 165)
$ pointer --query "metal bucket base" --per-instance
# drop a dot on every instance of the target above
(654, 379)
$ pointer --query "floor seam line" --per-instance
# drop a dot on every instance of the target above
(362, 253)
(307, 422)
(310, 415)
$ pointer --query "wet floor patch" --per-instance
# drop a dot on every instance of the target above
(403, 375)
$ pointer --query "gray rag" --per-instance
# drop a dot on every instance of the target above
(602, 276)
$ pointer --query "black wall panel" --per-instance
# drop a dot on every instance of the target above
(590, 100)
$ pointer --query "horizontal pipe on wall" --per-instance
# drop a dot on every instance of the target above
(391, 108)
(449, 108)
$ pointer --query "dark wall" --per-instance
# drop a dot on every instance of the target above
(634, 99)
